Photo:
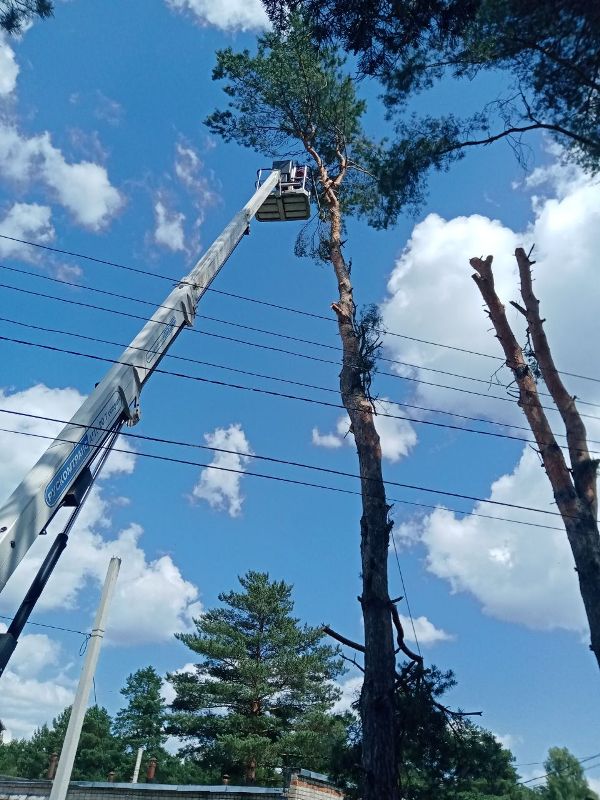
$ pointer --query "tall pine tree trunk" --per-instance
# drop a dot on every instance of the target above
(379, 741)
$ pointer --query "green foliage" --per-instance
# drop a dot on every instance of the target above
(549, 49)
(442, 754)
(141, 722)
(264, 684)
(565, 780)
(99, 751)
(293, 97)
(14, 14)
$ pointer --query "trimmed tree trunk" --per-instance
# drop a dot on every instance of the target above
(379, 740)
(574, 487)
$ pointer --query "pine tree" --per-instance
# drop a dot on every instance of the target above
(15, 14)
(141, 722)
(292, 95)
(264, 681)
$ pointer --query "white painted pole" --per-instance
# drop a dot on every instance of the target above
(69, 748)
(138, 763)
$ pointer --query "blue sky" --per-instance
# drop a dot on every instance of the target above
(103, 152)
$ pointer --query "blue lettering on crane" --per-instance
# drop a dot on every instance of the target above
(155, 347)
(78, 457)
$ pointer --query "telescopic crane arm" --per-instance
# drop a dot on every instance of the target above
(62, 475)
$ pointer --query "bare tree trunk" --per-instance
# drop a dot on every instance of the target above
(379, 739)
(574, 488)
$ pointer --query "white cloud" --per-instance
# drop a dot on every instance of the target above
(9, 69)
(34, 690)
(508, 740)
(169, 227)
(29, 702)
(350, 693)
(331, 440)
(397, 435)
(228, 15)
(189, 170)
(522, 575)
(518, 574)
(83, 188)
(28, 221)
(425, 630)
(152, 599)
(219, 488)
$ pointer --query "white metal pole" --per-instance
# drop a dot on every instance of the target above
(69, 748)
(138, 763)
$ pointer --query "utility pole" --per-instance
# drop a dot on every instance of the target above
(69, 749)
(138, 762)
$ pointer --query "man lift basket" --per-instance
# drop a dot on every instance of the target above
(290, 199)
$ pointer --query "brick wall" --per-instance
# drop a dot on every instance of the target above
(305, 785)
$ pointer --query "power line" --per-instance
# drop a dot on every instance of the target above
(254, 329)
(240, 325)
(285, 462)
(272, 348)
(249, 373)
(252, 374)
(259, 301)
(51, 627)
(567, 766)
(412, 622)
(269, 392)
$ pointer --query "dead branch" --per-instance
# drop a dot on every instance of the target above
(554, 461)
(400, 637)
(584, 470)
(574, 489)
(342, 639)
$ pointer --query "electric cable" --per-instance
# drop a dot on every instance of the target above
(269, 392)
(412, 622)
(290, 381)
(567, 766)
(231, 323)
(51, 627)
(275, 349)
(285, 462)
(277, 334)
(266, 303)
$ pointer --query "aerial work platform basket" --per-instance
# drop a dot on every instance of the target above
(290, 200)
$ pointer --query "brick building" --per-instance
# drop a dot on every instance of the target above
(304, 785)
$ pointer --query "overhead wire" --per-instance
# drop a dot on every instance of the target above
(410, 616)
(271, 348)
(254, 329)
(285, 462)
(563, 769)
(242, 326)
(260, 301)
(51, 627)
(250, 373)
(268, 392)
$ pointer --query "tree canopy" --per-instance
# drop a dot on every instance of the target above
(15, 14)
(548, 49)
(262, 688)
(293, 98)
(141, 722)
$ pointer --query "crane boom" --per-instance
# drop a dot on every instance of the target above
(62, 475)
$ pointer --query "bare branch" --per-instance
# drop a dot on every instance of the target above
(342, 639)
(584, 469)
